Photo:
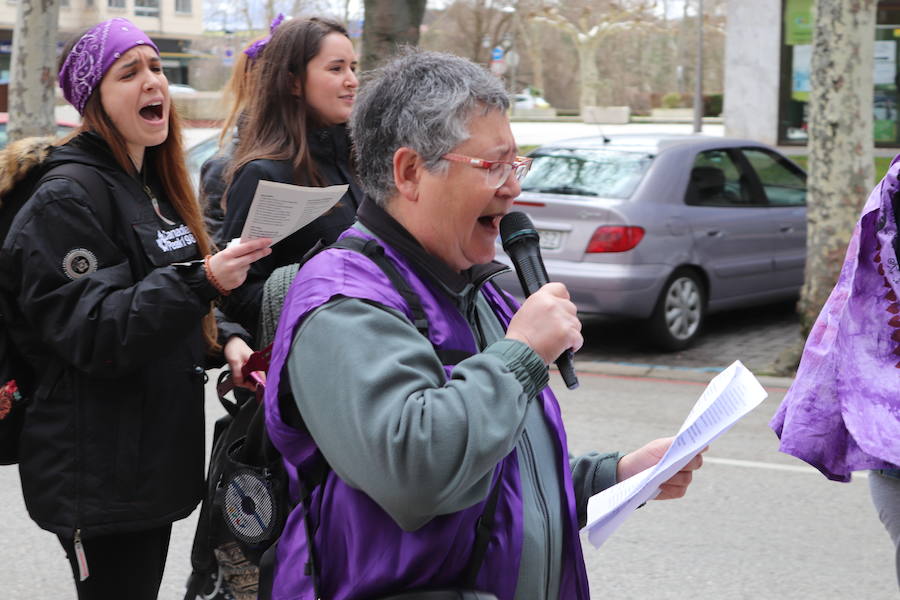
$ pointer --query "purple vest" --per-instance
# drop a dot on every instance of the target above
(361, 551)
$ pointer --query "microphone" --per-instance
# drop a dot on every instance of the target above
(522, 243)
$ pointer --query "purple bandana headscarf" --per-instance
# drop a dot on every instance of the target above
(257, 46)
(94, 54)
(842, 413)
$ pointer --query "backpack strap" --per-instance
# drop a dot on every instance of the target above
(374, 252)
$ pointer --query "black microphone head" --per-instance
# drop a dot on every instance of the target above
(516, 227)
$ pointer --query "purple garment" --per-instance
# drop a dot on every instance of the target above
(364, 552)
(93, 55)
(842, 412)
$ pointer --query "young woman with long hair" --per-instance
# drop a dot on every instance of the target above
(305, 84)
(114, 297)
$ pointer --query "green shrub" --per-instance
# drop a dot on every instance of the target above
(671, 100)
(712, 105)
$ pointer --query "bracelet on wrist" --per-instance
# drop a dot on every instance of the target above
(212, 278)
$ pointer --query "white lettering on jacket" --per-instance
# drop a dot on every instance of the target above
(175, 239)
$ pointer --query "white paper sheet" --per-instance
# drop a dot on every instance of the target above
(729, 396)
(280, 209)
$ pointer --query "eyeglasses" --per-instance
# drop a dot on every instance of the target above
(496, 171)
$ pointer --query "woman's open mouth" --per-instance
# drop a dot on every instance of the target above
(152, 112)
(491, 222)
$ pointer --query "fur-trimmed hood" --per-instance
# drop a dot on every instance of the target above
(19, 158)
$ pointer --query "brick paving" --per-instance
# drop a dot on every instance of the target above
(757, 337)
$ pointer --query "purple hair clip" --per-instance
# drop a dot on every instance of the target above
(256, 47)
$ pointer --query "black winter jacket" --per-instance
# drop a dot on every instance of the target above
(330, 149)
(114, 438)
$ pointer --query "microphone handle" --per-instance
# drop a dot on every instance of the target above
(532, 276)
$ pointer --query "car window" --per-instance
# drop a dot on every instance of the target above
(717, 181)
(784, 184)
(198, 154)
(586, 172)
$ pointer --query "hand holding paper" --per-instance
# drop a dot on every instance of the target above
(650, 454)
(729, 396)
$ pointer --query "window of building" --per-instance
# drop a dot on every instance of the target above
(182, 6)
(116, 3)
(146, 8)
(795, 72)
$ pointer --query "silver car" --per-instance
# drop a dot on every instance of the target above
(667, 228)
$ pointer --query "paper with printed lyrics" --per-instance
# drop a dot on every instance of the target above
(729, 396)
(280, 209)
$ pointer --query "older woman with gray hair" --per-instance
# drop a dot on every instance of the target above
(431, 455)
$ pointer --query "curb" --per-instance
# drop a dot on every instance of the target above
(698, 374)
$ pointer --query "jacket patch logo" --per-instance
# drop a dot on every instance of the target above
(175, 239)
(79, 262)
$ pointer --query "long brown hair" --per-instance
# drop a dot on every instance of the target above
(168, 161)
(277, 120)
(237, 92)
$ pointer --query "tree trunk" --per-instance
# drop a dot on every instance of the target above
(588, 73)
(532, 37)
(388, 24)
(840, 142)
(33, 70)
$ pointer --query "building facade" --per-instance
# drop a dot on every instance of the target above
(172, 24)
(767, 54)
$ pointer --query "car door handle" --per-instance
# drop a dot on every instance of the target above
(786, 228)
(715, 233)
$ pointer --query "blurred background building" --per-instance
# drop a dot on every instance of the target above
(768, 45)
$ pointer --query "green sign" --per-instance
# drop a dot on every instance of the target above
(798, 22)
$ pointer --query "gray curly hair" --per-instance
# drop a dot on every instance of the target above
(423, 101)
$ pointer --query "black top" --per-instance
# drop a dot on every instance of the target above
(330, 150)
(114, 437)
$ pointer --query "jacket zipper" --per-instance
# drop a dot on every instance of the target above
(80, 556)
(542, 505)
(155, 203)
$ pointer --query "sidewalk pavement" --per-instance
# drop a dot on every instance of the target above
(757, 337)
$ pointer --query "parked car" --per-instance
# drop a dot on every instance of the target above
(197, 155)
(527, 101)
(62, 128)
(181, 88)
(667, 229)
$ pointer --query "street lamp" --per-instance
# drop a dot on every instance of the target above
(698, 83)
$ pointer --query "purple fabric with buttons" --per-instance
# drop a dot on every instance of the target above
(94, 54)
(842, 413)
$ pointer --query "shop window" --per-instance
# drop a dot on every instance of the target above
(795, 80)
(146, 8)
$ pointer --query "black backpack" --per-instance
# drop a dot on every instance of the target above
(247, 498)
(17, 377)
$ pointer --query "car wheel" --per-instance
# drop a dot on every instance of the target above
(680, 311)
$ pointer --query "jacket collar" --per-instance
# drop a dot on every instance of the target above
(385, 227)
